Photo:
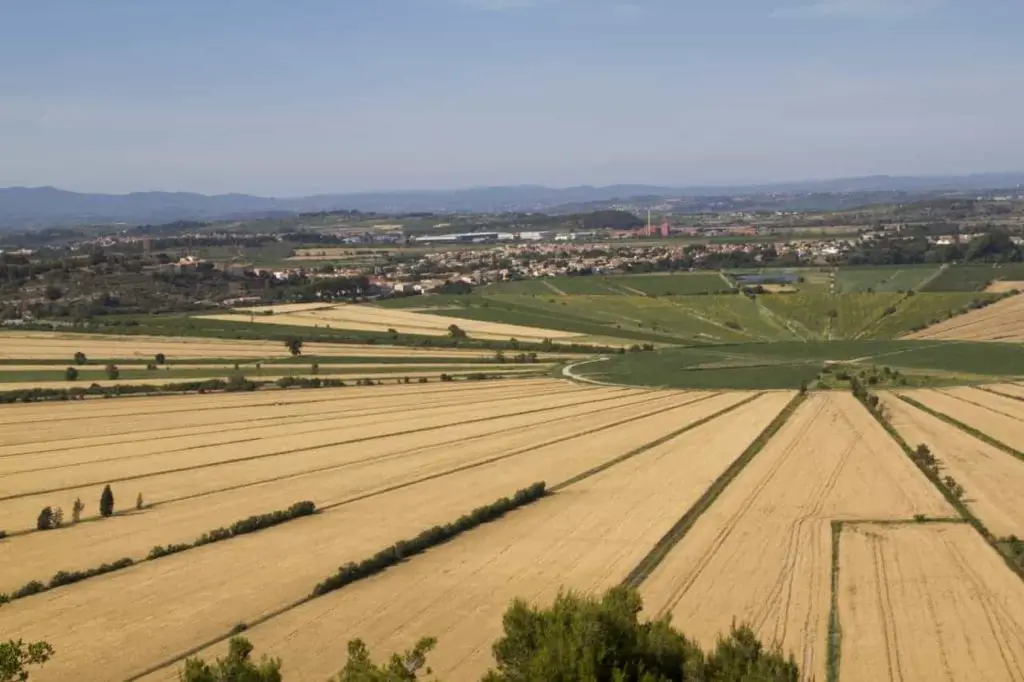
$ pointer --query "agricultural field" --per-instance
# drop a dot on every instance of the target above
(660, 284)
(376, 319)
(831, 460)
(1000, 321)
(926, 602)
(974, 277)
(993, 477)
(883, 279)
(731, 477)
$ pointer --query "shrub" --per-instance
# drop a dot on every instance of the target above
(80, 358)
(160, 359)
(28, 589)
(138, 501)
(76, 510)
(71, 374)
(68, 577)
(112, 372)
(45, 519)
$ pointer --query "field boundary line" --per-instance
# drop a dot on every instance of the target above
(654, 443)
(567, 372)
(834, 644)
(969, 430)
(281, 453)
(993, 391)
(681, 527)
(981, 405)
(958, 504)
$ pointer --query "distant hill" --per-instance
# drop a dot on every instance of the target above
(37, 207)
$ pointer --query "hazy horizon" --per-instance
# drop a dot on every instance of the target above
(314, 97)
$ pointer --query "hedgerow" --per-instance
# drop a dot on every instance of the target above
(431, 537)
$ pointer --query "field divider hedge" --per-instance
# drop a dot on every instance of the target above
(835, 630)
(933, 477)
(681, 527)
(291, 451)
(245, 526)
(379, 562)
(969, 430)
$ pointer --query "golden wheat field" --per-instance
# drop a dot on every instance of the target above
(1002, 321)
(373, 318)
(831, 493)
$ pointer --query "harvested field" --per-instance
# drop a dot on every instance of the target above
(587, 536)
(30, 346)
(1011, 390)
(992, 478)
(996, 417)
(927, 602)
(762, 553)
(1000, 287)
(374, 318)
(183, 600)
(1002, 321)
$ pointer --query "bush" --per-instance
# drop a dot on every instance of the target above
(112, 372)
(71, 374)
(68, 577)
(80, 358)
(160, 359)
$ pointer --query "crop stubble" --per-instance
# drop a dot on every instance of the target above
(344, 475)
(587, 536)
(1001, 321)
(186, 599)
(992, 478)
(1005, 426)
(927, 602)
(762, 552)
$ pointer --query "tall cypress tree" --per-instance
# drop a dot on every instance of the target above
(107, 501)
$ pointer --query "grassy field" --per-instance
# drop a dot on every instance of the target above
(789, 364)
(883, 279)
(661, 284)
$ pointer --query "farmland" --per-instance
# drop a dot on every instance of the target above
(831, 460)
(926, 603)
(1001, 321)
(725, 472)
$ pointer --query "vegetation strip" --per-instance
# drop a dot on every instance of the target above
(292, 451)
(835, 631)
(654, 443)
(686, 522)
(380, 561)
(970, 430)
(243, 527)
(922, 461)
(993, 391)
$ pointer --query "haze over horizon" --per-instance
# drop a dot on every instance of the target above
(311, 97)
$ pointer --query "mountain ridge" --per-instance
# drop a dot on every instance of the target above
(37, 207)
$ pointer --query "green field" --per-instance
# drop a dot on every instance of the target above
(662, 284)
(883, 279)
(788, 364)
(974, 277)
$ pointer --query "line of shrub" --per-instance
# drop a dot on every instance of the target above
(64, 578)
(249, 525)
(351, 572)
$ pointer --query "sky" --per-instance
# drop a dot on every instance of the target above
(295, 97)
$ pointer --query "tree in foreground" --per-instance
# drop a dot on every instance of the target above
(107, 501)
(237, 666)
(17, 657)
(585, 639)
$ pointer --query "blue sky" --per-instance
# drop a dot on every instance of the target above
(306, 96)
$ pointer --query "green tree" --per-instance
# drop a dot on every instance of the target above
(237, 666)
(456, 332)
(107, 501)
(294, 345)
(401, 668)
(161, 359)
(80, 358)
(17, 657)
(71, 374)
(45, 519)
(112, 372)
